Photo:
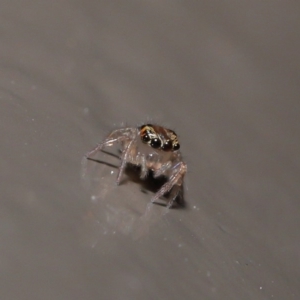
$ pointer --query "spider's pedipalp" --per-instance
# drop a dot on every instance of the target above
(144, 169)
(163, 169)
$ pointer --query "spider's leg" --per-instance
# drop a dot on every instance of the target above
(179, 171)
(100, 146)
(125, 155)
(176, 190)
(115, 136)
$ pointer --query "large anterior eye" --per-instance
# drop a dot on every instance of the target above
(167, 146)
(155, 143)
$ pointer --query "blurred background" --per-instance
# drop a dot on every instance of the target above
(224, 75)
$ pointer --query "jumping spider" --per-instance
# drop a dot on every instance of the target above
(151, 147)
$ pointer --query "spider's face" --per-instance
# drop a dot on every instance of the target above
(159, 137)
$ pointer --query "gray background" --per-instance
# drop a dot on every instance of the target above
(224, 75)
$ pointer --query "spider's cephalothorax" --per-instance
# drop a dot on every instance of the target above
(159, 137)
(151, 147)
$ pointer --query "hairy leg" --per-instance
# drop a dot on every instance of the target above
(117, 135)
(174, 193)
(125, 155)
(176, 178)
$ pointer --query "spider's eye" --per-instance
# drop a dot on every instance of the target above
(176, 146)
(155, 143)
(167, 146)
(145, 138)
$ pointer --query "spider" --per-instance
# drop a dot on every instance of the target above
(153, 148)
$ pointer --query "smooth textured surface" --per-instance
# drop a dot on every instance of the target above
(224, 75)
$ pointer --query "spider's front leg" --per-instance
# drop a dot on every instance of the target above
(131, 140)
(176, 190)
(175, 182)
(117, 135)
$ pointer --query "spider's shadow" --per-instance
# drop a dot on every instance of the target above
(149, 184)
